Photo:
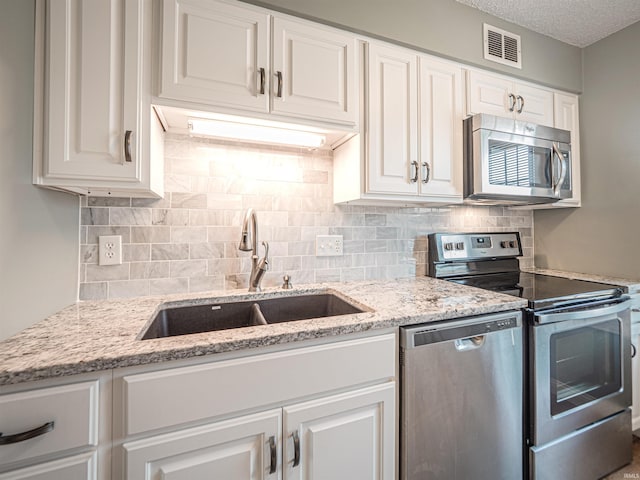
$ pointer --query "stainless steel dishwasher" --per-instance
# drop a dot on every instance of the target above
(461, 399)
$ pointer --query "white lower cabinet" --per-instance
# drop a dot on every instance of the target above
(319, 412)
(246, 447)
(57, 429)
(350, 435)
(344, 436)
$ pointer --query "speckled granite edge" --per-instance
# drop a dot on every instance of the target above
(102, 335)
(631, 286)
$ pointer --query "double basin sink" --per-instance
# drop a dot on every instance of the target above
(171, 320)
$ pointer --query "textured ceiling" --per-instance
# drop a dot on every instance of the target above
(576, 22)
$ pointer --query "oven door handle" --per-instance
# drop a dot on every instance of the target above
(609, 308)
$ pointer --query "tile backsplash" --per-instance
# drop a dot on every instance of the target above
(188, 241)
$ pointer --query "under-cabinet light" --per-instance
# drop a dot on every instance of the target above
(255, 133)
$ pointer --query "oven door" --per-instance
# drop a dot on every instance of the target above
(518, 166)
(580, 369)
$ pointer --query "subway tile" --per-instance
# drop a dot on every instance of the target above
(93, 290)
(206, 250)
(188, 200)
(171, 217)
(128, 288)
(98, 273)
(375, 220)
(169, 251)
(136, 252)
(129, 216)
(168, 286)
(150, 234)
(206, 283)
(188, 234)
(151, 202)
(89, 254)
(140, 270)
(94, 216)
(188, 268)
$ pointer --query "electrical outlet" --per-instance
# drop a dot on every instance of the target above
(110, 250)
(328, 245)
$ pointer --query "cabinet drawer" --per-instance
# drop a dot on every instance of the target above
(81, 467)
(171, 397)
(73, 409)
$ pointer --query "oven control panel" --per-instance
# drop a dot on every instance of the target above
(466, 246)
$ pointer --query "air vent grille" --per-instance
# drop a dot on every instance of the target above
(502, 47)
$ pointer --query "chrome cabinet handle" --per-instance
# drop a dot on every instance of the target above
(563, 169)
(520, 103)
(274, 455)
(279, 90)
(261, 72)
(427, 173)
(127, 145)
(296, 449)
(512, 102)
(414, 179)
(21, 437)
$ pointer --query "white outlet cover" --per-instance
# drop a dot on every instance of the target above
(329, 245)
(110, 250)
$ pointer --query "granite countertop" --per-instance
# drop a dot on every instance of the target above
(630, 286)
(102, 335)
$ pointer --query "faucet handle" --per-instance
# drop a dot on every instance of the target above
(264, 262)
(287, 283)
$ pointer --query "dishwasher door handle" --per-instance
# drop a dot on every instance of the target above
(470, 343)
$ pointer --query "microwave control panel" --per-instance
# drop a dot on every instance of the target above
(467, 246)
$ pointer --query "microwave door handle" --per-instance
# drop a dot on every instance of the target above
(563, 169)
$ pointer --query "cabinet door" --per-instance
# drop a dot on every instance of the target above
(314, 72)
(489, 94)
(534, 104)
(215, 53)
(392, 159)
(440, 130)
(246, 448)
(350, 436)
(93, 75)
(567, 117)
(80, 467)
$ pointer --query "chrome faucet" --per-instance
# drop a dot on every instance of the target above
(249, 243)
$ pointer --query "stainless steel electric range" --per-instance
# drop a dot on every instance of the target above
(577, 355)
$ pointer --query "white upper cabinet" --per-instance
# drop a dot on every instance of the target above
(314, 72)
(441, 113)
(392, 115)
(505, 97)
(566, 117)
(233, 59)
(412, 152)
(215, 53)
(94, 129)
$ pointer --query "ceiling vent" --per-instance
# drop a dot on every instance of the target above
(502, 47)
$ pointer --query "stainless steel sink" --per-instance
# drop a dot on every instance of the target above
(183, 320)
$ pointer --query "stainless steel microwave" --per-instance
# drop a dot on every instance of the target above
(510, 162)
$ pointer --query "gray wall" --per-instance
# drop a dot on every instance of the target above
(446, 28)
(602, 236)
(39, 231)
